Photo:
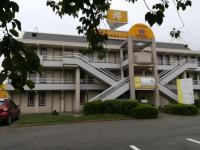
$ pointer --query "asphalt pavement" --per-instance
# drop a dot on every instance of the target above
(169, 132)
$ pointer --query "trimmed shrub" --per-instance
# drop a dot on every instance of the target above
(144, 111)
(112, 106)
(127, 106)
(197, 103)
(118, 106)
(95, 107)
(181, 109)
(55, 112)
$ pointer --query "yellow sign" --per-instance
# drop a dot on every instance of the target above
(141, 31)
(144, 83)
(138, 31)
(2, 87)
(185, 91)
(3, 93)
(117, 16)
(179, 89)
(115, 34)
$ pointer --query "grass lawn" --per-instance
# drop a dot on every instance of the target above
(39, 119)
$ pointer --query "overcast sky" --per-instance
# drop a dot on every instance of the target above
(35, 13)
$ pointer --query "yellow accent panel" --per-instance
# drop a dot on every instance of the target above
(117, 16)
(180, 94)
(2, 87)
(141, 31)
(138, 83)
(3, 92)
(115, 34)
(138, 31)
(139, 86)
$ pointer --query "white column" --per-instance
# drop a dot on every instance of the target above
(121, 60)
(77, 91)
(131, 68)
(155, 72)
(36, 101)
(164, 59)
(37, 78)
(184, 75)
(62, 101)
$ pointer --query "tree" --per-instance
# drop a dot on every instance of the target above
(19, 60)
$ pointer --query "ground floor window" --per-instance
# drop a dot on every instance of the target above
(31, 99)
(42, 99)
(82, 97)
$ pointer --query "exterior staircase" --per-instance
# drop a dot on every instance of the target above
(118, 87)
(171, 73)
(89, 66)
(114, 91)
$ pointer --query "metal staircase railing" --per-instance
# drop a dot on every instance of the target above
(169, 87)
(91, 63)
(110, 90)
(172, 69)
(176, 66)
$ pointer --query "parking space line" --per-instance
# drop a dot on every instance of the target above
(134, 147)
(192, 140)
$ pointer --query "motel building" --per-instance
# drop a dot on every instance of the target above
(135, 66)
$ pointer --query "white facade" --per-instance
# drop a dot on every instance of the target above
(70, 78)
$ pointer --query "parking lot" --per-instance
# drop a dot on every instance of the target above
(166, 133)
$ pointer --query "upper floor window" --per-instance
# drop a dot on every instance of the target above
(32, 76)
(57, 52)
(43, 77)
(167, 59)
(43, 51)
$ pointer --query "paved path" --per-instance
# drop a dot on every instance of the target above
(166, 133)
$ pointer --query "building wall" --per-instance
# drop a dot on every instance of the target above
(56, 102)
(54, 98)
(69, 101)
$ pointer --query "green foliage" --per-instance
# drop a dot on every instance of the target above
(144, 111)
(181, 109)
(55, 113)
(109, 106)
(92, 14)
(119, 106)
(93, 11)
(18, 60)
(95, 107)
(175, 33)
(127, 106)
(197, 103)
(44, 119)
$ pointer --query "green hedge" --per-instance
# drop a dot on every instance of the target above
(181, 109)
(121, 106)
(95, 107)
(197, 103)
(144, 111)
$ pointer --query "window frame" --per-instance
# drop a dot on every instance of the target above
(29, 100)
(40, 98)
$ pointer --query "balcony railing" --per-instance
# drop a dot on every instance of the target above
(172, 62)
(59, 58)
(60, 81)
